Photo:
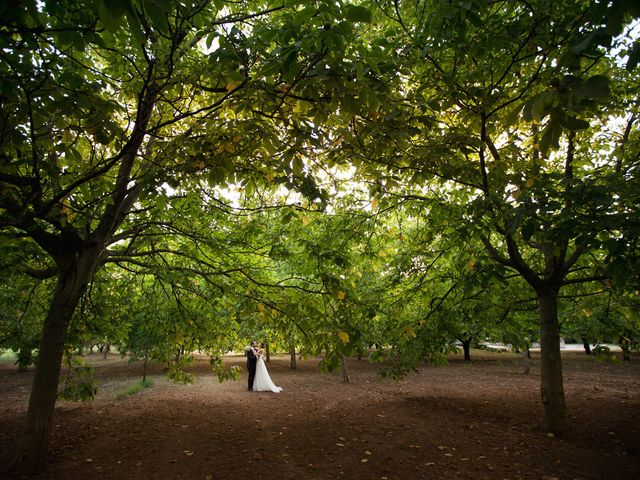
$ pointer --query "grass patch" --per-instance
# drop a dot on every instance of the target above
(134, 388)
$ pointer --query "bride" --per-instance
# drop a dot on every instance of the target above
(262, 381)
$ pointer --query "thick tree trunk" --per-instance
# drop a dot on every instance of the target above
(551, 382)
(70, 287)
(466, 347)
(586, 346)
(292, 354)
(267, 352)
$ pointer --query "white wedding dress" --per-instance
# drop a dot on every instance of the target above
(262, 381)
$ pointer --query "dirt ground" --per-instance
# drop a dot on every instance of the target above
(465, 421)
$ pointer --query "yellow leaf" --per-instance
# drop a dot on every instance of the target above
(531, 182)
(297, 165)
(410, 331)
(340, 294)
(305, 220)
(65, 209)
(344, 336)
(374, 204)
(261, 307)
(515, 194)
(236, 138)
(470, 265)
(233, 85)
(270, 177)
(283, 88)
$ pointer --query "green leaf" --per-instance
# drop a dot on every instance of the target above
(297, 166)
(541, 104)
(135, 25)
(527, 110)
(572, 123)
(350, 104)
(111, 13)
(634, 56)
(513, 115)
(305, 14)
(584, 44)
(595, 87)
(615, 19)
(356, 13)
(612, 245)
(528, 229)
(158, 16)
(513, 224)
(550, 137)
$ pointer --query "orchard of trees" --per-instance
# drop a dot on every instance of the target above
(376, 178)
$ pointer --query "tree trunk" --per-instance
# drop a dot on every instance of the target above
(345, 373)
(267, 352)
(526, 360)
(466, 347)
(551, 382)
(586, 346)
(292, 353)
(625, 346)
(71, 285)
(144, 365)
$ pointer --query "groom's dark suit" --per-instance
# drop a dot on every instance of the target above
(251, 366)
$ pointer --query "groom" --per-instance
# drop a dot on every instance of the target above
(251, 364)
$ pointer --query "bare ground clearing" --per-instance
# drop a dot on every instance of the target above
(480, 420)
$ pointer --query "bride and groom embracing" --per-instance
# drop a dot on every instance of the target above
(259, 379)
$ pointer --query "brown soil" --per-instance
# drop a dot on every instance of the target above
(467, 421)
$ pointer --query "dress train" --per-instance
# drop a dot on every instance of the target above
(262, 381)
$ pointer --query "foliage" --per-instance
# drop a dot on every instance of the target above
(79, 383)
(223, 373)
(24, 300)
